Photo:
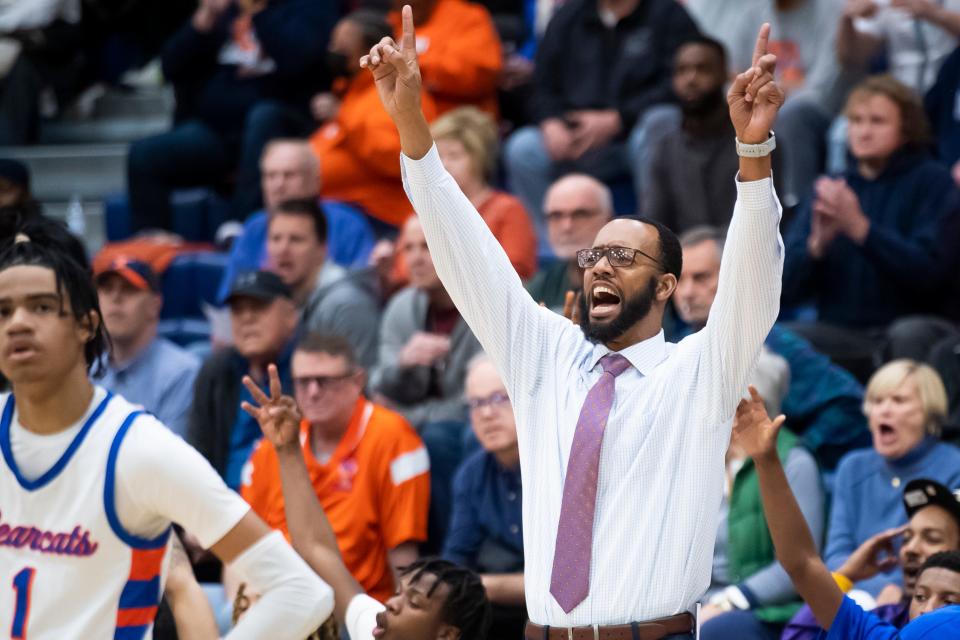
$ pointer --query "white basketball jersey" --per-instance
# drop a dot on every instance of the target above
(68, 569)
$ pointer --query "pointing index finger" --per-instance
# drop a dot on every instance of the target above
(760, 49)
(409, 41)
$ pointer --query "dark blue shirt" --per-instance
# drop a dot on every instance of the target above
(903, 265)
(486, 533)
(853, 623)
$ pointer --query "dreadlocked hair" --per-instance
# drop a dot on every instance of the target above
(949, 560)
(466, 606)
(43, 242)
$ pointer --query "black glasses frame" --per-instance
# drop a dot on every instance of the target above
(616, 256)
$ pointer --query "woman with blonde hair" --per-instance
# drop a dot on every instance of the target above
(905, 405)
(467, 141)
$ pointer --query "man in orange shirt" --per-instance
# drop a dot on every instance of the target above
(459, 52)
(358, 145)
(368, 467)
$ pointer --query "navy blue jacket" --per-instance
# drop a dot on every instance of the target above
(293, 33)
(942, 103)
(901, 269)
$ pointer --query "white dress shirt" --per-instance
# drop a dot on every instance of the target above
(662, 460)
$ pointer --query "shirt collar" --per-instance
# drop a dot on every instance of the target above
(135, 360)
(644, 355)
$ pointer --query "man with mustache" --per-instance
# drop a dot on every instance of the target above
(618, 537)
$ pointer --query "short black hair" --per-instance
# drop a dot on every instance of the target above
(707, 41)
(671, 254)
(50, 244)
(466, 606)
(949, 560)
(308, 207)
(330, 344)
(373, 24)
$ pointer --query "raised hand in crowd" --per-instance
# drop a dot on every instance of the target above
(753, 430)
(277, 414)
(877, 555)
(424, 349)
(571, 306)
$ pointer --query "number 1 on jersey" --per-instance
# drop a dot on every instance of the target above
(22, 583)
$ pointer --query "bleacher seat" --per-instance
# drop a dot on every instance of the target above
(197, 214)
(191, 280)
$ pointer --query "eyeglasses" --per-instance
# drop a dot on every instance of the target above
(577, 215)
(323, 382)
(495, 400)
(616, 256)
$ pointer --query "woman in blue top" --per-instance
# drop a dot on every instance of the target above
(934, 613)
(905, 405)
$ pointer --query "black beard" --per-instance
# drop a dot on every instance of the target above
(633, 310)
(704, 105)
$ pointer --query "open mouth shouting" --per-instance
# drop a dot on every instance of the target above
(605, 301)
(886, 434)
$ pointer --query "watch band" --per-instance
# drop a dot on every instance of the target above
(757, 150)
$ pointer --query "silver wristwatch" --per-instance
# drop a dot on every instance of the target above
(757, 150)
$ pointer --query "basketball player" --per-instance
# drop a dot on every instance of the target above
(89, 484)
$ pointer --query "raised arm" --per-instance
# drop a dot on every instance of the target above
(470, 262)
(748, 293)
(310, 530)
(796, 550)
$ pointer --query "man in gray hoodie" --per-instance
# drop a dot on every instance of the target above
(331, 299)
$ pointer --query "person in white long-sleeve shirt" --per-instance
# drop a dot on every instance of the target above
(622, 435)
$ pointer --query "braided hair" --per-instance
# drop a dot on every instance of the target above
(43, 242)
(466, 606)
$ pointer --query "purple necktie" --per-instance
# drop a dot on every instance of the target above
(570, 580)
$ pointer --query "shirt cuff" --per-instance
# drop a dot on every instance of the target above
(425, 171)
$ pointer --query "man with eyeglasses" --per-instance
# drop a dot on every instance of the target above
(576, 207)
(622, 436)
(368, 467)
(486, 534)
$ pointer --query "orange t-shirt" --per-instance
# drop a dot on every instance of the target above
(359, 153)
(375, 490)
(459, 53)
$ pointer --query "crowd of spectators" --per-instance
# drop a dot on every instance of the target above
(408, 433)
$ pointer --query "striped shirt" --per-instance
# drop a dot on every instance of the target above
(662, 461)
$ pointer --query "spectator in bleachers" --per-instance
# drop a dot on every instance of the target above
(289, 171)
(425, 346)
(576, 207)
(934, 527)
(868, 247)
(142, 367)
(594, 104)
(331, 299)
(905, 407)
(941, 107)
(16, 200)
(915, 36)
(227, 61)
(824, 401)
(264, 320)
(368, 468)
(803, 37)
(466, 139)
(357, 144)
(458, 50)
(486, 532)
(693, 167)
(750, 595)
(734, 23)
